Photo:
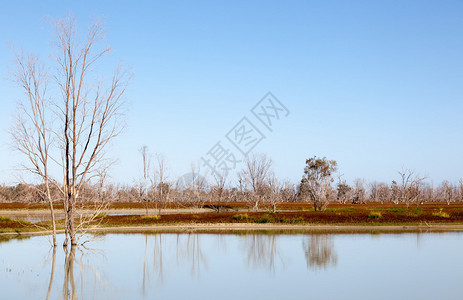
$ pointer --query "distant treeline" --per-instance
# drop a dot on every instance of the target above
(200, 192)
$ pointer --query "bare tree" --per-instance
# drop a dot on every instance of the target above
(255, 176)
(274, 195)
(87, 114)
(448, 191)
(220, 178)
(288, 192)
(90, 112)
(146, 168)
(197, 186)
(460, 189)
(162, 187)
(31, 132)
(409, 187)
(344, 192)
(359, 193)
(384, 192)
(372, 193)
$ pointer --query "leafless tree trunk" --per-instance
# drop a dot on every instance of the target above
(146, 166)
(163, 187)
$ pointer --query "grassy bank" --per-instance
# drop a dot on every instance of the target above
(372, 214)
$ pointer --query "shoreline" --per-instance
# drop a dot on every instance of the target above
(245, 227)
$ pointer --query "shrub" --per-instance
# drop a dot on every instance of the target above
(396, 210)
(241, 217)
(151, 217)
(441, 214)
(375, 215)
(415, 212)
(264, 219)
(293, 220)
(418, 211)
(5, 219)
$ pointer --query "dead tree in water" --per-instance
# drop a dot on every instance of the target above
(86, 113)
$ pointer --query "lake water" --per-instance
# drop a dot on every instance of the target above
(229, 266)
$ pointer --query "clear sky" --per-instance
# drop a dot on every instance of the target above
(374, 85)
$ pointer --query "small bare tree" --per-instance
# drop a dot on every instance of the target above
(197, 186)
(409, 187)
(344, 192)
(160, 184)
(221, 178)
(384, 192)
(274, 195)
(31, 133)
(448, 192)
(359, 193)
(460, 189)
(146, 168)
(255, 176)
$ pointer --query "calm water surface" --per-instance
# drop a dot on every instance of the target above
(227, 266)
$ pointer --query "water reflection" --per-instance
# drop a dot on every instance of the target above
(177, 266)
(187, 254)
(319, 251)
(261, 251)
(158, 267)
(74, 256)
(69, 286)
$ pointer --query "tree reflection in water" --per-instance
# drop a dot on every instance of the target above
(319, 251)
(188, 250)
(262, 250)
(69, 274)
(70, 290)
(52, 273)
(158, 267)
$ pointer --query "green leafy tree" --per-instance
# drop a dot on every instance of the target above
(316, 181)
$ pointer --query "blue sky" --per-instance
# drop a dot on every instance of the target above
(375, 85)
